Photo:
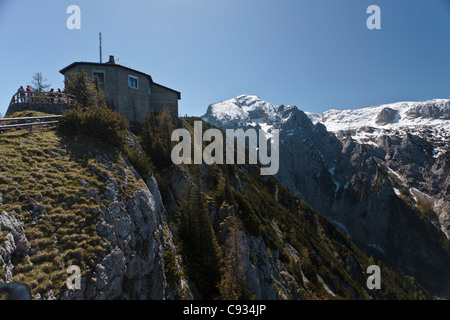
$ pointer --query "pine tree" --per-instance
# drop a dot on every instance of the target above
(187, 220)
(227, 195)
(39, 83)
(146, 136)
(223, 193)
(166, 124)
(232, 285)
(85, 91)
(199, 243)
(156, 137)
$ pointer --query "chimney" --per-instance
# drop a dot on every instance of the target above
(111, 60)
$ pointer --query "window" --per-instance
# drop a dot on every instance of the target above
(149, 91)
(100, 74)
(133, 82)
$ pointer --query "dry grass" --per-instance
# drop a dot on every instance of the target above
(42, 168)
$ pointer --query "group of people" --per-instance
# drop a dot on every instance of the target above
(28, 93)
(21, 92)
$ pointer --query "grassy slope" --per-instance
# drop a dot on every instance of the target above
(24, 114)
(41, 172)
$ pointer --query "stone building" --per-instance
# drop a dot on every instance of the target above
(130, 92)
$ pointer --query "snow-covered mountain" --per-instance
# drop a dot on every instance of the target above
(381, 174)
(241, 111)
(429, 119)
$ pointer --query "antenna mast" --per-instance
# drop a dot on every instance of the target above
(100, 41)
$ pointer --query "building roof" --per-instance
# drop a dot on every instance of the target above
(113, 64)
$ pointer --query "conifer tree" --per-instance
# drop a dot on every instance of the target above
(199, 242)
(156, 137)
(86, 91)
(232, 285)
(39, 82)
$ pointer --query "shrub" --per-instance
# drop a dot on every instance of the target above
(156, 135)
(170, 266)
(92, 116)
(139, 160)
(102, 123)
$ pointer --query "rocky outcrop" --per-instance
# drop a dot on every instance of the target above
(257, 270)
(138, 235)
(433, 110)
(386, 115)
(16, 242)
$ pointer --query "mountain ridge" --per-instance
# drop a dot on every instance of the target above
(365, 185)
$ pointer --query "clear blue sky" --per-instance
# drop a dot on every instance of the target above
(316, 54)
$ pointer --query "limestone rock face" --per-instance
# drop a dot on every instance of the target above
(265, 275)
(16, 242)
(138, 234)
(386, 115)
(252, 254)
(15, 227)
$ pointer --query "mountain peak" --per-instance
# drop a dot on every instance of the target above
(239, 111)
(247, 97)
(245, 110)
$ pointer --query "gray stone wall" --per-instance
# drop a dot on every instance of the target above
(163, 98)
(52, 108)
(133, 103)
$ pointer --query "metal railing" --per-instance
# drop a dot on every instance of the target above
(41, 97)
(27, 122)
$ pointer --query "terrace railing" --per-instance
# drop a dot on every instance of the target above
(41, 98)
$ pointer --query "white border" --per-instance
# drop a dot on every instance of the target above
(137, 81)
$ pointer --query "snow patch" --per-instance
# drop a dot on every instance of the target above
(410, 117)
